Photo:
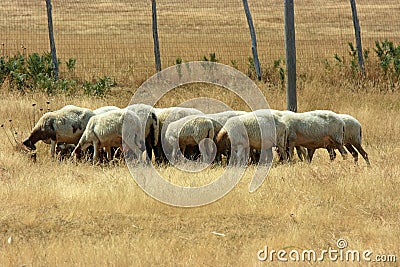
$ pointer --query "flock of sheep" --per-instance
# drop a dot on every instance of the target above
(177, 133)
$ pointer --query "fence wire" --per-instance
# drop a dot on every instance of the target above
(114, 38)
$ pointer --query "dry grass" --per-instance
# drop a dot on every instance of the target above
(60, 213)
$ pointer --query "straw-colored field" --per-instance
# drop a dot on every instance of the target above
(56, 213)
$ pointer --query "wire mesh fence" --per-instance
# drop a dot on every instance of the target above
(114, 38)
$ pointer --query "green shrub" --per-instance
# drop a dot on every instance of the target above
(35, 72)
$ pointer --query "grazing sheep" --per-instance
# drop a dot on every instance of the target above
(219, 119)
(61, 126)
(149, 120)
(166, 116)
(352, 138)
(313, 130)
(301, 151)
(189, 131)
(106, 130)
(245, 132)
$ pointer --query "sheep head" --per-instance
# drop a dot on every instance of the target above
(43, 130)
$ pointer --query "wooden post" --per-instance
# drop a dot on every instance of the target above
(357, 31)
(253, 39)
(290, 46)
(155, 36)
(51, 38)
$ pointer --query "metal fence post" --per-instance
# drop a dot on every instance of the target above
(290, 47)
(155, 36)
(253, 39)
(357, 31)
(51, 37)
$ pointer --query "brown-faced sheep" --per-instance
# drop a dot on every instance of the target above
(61, 126)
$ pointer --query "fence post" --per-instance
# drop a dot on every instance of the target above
(253, 39)
(358, 35)
(290, 47)
(51, 38)
(155, 36)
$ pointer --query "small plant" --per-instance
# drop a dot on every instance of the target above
(389, 57)
(213, 58)
(234, 64)
(251, 69)
(71, 65)
(99, 88)
(178, 61)
(279, 67)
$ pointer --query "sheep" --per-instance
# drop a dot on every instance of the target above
(245, 132)
(61, 126)
(112, 129)
(166, 116)
(219, 119)
(149, 120)
(352, 138)
(189, 131)
(313, 130)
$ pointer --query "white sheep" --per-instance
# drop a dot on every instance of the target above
(249, 131)
(114, 128)
(301, 151)
(352, 138)
(166, 116)
(219, 119)
(313, 130)
(65, 125)
(149, 120)
(189, 131)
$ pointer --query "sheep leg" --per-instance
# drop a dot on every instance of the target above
(353, 152)
(244, 156)
(282, 154)
(310, 152)
(363, 153)
(181, 153)
(266, 156)
(332, 153)
(95, 152)
(342, 152)
(149, 150)
(301, 153)
(53, 148)
(108, 153)
(290, 152)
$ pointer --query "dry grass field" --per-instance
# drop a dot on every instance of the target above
(61, 213)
